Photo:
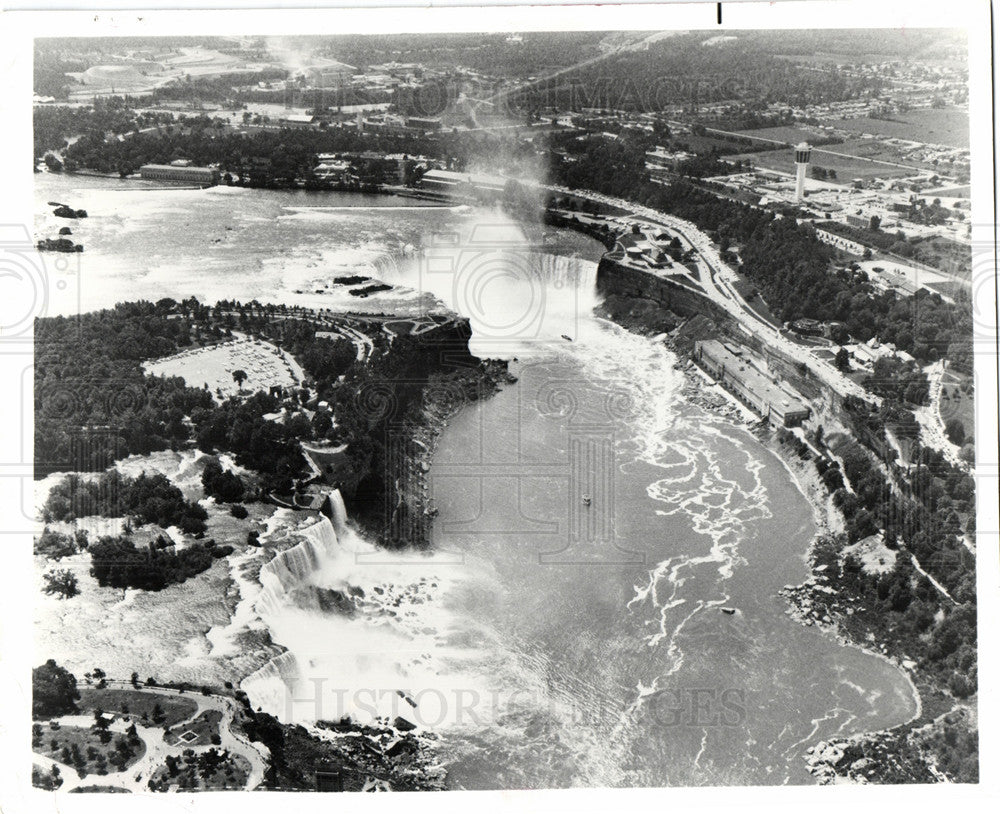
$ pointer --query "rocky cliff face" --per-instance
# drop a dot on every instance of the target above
(400, 407)
(648, 303)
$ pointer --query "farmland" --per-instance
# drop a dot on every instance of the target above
(948, 126)
(791, 135)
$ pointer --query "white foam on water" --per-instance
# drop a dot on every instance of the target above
(358, 633)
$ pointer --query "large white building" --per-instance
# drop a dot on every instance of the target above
(171, 172)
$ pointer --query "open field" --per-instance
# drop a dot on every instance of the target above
(198, 732)
(790, 134)
(845, 167)
(949, 125)
(880, 151)
(142, 76)
(263, 363)
(175, 709)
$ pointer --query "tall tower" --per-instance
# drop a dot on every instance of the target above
(802, 153)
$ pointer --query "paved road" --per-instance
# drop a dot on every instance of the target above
(718, 280)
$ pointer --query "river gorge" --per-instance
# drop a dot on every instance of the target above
(599, 605)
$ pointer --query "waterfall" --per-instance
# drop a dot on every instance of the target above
(560, 271)
(338, 513)
(295, 566)
(360, 635)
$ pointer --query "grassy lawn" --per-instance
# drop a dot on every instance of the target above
(947, 125)
(790, 134)
(204, 726)
(847, 168)
(140, 705)
(208, 771)
(99, 790)
(82, 747)
(956, 404)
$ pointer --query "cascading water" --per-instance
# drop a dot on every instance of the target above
(367, 636)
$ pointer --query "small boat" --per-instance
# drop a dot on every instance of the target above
(729, 611)
(567, 338)
(586, 500)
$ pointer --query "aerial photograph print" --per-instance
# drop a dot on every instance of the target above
(503, 410)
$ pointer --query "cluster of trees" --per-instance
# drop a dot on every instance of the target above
(145, 499)
(53, 691)
(270, 449)
(50, 72)
(62, 583)
(681, 70)
(223, 485)
(909, 614)
(924, 510)
(56, 545)
(920, 509)
(956, 747)
(117, 562)
(233, 88)
(53, 126)
(322, 358)
(940, 253)
(270, 157)
(900, 381)
(822, 174)
(94, 403)
(193, 769)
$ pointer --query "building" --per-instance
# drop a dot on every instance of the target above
(423, 123)
(330, 75)
(661, 164)
(206, 176)
(334, 172)
(733, 367)
(802, 154)
(298, 120)
(463, 185)
(841, 242)
(808, 327)
(858, 221)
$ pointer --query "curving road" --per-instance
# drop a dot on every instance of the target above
(717, 280)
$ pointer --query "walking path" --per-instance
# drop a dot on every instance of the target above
(136, 777)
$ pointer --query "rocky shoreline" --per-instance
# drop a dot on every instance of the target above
(442, 401)
(864, 757)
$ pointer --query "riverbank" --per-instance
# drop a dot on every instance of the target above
(862, 757)
(443, 400)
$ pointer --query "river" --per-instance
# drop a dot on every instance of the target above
(569, 622)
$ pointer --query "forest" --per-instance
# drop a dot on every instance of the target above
(117, 562)
(84, 423)
(93, 402)
(144, 499)
(113, 114)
